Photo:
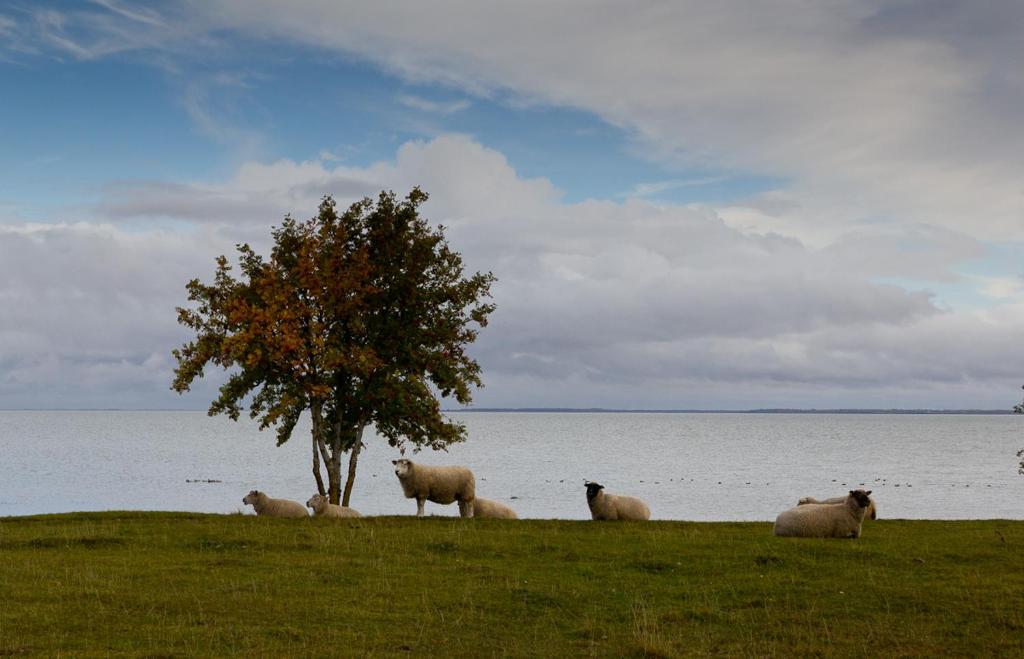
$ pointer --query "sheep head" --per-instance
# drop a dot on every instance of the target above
(403, 467)
(861, 497)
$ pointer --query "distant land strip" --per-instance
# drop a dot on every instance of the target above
(573, 410)
(768, 410)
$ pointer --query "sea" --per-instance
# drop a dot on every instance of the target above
(686, 466)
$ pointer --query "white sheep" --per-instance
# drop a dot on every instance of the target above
(605, 506)
(437, 484)
(825, 520)
(322, 507)
(264, 505)
(871, 513)
(488, 509)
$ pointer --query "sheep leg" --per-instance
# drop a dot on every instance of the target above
(419, 506)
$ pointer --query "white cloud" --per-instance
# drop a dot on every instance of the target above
(7, 26)
(894, 127)
(908, 112)
(657, 187)
(1001, 288)
(136, 13)
(436, 107)
(869, 111)
(646, 305)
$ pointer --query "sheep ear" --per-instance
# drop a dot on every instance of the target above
(868, 492)
(394, 462)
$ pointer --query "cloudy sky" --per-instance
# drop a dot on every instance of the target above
(688, 205)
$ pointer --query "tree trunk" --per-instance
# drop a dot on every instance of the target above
(316, 411)
(334, 476)
(334, 464)
(316, 468)
(352, 460)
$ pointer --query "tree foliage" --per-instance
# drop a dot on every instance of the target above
(358, 317)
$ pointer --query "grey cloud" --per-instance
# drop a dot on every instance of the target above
(87, 315)
(600, 303)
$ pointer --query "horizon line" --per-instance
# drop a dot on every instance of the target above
(599, 410)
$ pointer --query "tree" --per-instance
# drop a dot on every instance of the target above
(358, 318)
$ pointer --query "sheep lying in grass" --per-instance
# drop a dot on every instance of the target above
(437, 484)
(825, 520)
(322, 507)
(872, 511)
(615, 507)
(487, 509)
(264, 505)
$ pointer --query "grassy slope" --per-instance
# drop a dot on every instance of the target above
(163, 584)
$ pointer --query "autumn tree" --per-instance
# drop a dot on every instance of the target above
(360, 318)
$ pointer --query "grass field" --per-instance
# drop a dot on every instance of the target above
(168, 584)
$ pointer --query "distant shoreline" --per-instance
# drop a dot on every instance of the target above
(596, 410)
(773, 410)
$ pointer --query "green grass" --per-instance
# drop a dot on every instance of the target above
(167, 584)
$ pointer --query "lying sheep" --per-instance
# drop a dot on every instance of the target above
(264, 505)
(872, 511)
(322, 507)
(825, 520)
(487, 509)
(605, 506)
(438, 484)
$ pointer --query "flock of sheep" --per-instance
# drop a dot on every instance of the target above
(838, 517)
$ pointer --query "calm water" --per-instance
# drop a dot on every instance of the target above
(686, 466)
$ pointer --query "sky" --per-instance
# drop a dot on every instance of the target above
(687, 205)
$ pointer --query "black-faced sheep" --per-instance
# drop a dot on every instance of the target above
(605, 506)
(264, 505)
(443, 485)
(322, 507)
(825, 520)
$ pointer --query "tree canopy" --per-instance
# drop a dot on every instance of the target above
(358, 317)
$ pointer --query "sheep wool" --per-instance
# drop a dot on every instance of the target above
(264, 505)
(604, 506)
(872, 511)
(488, 509)
(322, 507)
(443, 485)
(825, 520)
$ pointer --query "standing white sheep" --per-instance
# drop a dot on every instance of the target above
(825, 520)
(264, 505)
(322, 507)
(487, 509)
(605, 506)
(442, 485)
(871, 513)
